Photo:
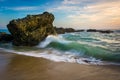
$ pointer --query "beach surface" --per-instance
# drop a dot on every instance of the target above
(20, 67)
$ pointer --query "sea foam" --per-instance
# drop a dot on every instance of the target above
(73, 48)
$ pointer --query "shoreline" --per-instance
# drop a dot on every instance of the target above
(20, 67)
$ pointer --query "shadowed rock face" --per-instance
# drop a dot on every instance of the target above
(4, 37)
(32, 29)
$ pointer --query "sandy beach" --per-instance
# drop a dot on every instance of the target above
(20, 67)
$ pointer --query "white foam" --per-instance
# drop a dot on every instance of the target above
(52, 38)
(108, 40)
(58, 56)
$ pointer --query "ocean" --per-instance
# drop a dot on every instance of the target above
(92, 48)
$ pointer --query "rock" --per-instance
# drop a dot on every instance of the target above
(100, 31)
(105, 31)
(32, 29)
(60, 30)
(86, 61)
(64, 30)
(5, 37)
(67, 30)
(79, 30)
(91, 30)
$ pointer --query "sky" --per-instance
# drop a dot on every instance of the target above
(77, 14)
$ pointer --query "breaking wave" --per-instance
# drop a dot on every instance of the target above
(75, 48)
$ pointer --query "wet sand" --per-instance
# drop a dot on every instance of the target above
(19, 67)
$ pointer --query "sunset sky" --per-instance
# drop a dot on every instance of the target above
(78, 14)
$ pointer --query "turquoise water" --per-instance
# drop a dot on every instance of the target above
(79, 47)
(4, 30)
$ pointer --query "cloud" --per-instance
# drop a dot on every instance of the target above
(75, 2)
(25, 8)
(94, 13)
(78, 12)
(71, 2)
(22, 8)
(64, 8)
(98, 12)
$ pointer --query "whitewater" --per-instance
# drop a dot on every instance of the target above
(79, 47)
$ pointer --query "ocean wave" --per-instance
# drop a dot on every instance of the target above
(59, 43)
(52, 38)
(74, 48)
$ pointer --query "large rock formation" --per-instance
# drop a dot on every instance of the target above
(32, 29)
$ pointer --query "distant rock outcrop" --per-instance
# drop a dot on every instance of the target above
(4, 37)
(64, 30)
(100, 31)
(32, 29)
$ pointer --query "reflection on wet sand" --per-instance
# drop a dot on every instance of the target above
(18, 67)
(27, 68)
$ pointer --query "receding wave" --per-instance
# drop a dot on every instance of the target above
(57, 56)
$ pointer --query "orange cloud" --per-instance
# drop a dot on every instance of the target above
(98, 15)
